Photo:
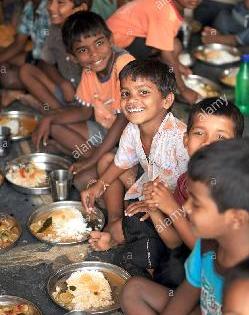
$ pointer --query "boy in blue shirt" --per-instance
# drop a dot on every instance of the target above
(218, 210)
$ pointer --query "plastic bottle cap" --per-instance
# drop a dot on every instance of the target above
(245, 58)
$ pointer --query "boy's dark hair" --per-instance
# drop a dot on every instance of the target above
(158, 73)
(239, 272)
(224, 167)
(77, 3)
(83, 23)
(218, 107)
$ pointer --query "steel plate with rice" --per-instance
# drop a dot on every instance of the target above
(228, 76)
(217, 54)
(21, 124)
(203, 86)
(13, 305)
(89, 286)
(64, 223)
(10, 232)
(29, 173)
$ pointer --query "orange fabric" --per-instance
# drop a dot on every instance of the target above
(156, 20)
(103, 96)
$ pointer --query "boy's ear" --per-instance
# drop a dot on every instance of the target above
(185, 140)
(168, 100)
(237, 218)
(73, 58)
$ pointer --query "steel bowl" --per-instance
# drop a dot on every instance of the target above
(198, 51)
(17, 224)
(22, 117)
(115, 275)
(227, 73)
(95, 220)
(8, 300)
(44, 161)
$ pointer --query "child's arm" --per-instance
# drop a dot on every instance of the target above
(89, 195)
(157, 195)
(111, 139)
(65, 85)
(184, 300)
(67, 116)
(170, 58)
(211, 35)
(14, 49)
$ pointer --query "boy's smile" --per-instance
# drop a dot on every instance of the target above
(93, 52)
(207, 129)
(141, 101)
(60, 10)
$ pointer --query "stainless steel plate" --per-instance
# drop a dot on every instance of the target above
(8, 300)
(200, 53)
(115, 275)
(95, 220)
(44, 161)
(227, 76)
(16, 224)
(27, 122)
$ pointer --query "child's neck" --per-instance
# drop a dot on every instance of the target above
(234, 247)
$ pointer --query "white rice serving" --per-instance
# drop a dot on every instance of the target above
(90, 290)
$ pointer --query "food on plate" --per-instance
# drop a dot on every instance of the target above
(185, 59)
(19, 126)
(216, 56)
(18, 309)
(28, 175)
(85, 290)
(204, 89)
(229, 77)
(9, 232)
(60, 225)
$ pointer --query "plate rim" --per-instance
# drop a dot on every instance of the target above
(22, 300)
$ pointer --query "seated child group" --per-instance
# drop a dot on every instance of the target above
(176, 194)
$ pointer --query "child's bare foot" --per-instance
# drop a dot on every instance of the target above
(9, 96)
(100, 241)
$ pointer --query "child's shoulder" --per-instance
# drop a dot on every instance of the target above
(122, 58)
(173, 123)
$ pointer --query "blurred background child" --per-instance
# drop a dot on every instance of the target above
(236, 290)
(54, 84)
(34, 23)
(231, 27)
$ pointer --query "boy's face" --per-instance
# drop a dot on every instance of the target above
(189, 4)
(236, 299)
(93, 52)
(206, 221)
(207, 129)
(141, 101)
(60, 10)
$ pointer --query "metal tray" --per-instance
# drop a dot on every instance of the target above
(115, 275)
(19, 115)
(8, 300)
(96, 220)
(4, 215)
(226, 73)
(217, 47)
(45, 161)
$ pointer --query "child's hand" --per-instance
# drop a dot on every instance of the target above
(184, 70)
(67, 90)
(138, 207)
(162, 198)
(209, 35)
(80, 166)
(42, 132)
(89, 196)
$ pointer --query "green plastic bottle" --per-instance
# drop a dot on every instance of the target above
(242, 86)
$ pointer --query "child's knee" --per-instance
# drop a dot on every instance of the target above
(131, 289)
(104, 162)
(26, 72)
